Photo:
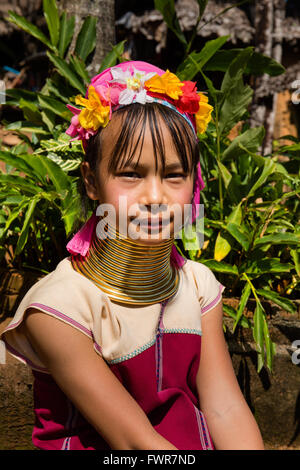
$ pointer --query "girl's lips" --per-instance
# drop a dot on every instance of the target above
(148, 223)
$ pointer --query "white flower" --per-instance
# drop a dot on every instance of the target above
(135, 89)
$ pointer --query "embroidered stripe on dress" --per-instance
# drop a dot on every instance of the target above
(204, 435)
(158, 347)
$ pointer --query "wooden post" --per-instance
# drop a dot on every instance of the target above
(104, 10)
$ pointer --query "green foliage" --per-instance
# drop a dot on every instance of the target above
(251, 201)
(39, 197)
(251, 221)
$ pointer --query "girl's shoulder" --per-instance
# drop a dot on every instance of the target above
(64, 294)
(63, 289)
(208, 288)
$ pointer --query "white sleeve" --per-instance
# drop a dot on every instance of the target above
(209, 289)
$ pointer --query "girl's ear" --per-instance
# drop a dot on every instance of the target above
(89, 180)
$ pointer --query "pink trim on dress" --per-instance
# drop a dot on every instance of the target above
(215, 301)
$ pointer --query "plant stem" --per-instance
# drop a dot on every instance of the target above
(219, 159)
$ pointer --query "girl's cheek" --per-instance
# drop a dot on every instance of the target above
(184, 195)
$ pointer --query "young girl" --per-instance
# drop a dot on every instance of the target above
(125, 336)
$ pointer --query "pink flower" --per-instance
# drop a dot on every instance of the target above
(75, 130)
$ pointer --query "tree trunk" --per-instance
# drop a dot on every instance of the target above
(268, 20)
(261, 107)
(104, 10)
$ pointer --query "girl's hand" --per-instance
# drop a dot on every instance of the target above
(89, 383)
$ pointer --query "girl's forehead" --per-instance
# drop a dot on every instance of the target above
(144, 142)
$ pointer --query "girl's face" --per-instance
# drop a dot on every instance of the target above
(150, 194)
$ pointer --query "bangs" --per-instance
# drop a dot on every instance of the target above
(133, 123)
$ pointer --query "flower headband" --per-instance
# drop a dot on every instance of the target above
(136, 82)
(127, 83)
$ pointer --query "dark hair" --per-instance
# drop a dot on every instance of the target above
(181, 132)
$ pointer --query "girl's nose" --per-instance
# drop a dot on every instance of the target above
(153, 191)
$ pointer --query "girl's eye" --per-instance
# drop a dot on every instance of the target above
(177, 175)
(129, 174)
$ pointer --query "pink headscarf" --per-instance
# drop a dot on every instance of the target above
(80, 242)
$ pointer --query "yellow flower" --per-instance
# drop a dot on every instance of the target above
(167, 84)
(203, 115)
(95, 113)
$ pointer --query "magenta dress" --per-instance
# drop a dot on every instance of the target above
(159, 373)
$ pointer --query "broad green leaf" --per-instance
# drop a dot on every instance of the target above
(234, 107)
(286, 304)
(225, 173)
(278, 239)
(52, 19)
(196, 60)
(236, 215)
(71, 209)
(111, 58)
(66, 165)
(26, 127)
(222, 246)
(13, 199)
(80, 68)
(30, 28)
(270, 346)
(231, 312)
(14, 215)
(14, 95)
(66, 33)
(258, 334)
(25, 229)
(295, 256)
(243, 301)
(65, 70)
(30, 111)
(266, 172)
(57, 176)
(167, 8)
(241, 237)
(258, 63)
(251, 139)
(235, 71)
(48, 119)
(221, 267)
(17, 162)
(57, 107)
(18, 182)
(237, 96)
(202, 5)
(86, 40)
(267, 265)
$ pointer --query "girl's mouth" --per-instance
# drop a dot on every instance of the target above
(153, 224)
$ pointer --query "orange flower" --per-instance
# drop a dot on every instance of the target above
(95, 113)
(167, 84)
(203, 115)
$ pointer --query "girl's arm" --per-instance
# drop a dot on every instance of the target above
(89, 383)
(230, 421)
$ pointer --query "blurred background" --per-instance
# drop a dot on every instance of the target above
(271, 26)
